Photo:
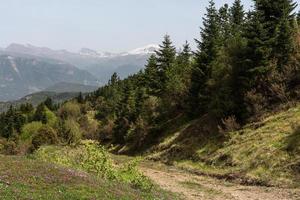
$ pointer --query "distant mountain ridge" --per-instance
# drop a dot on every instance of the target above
(70, 87)
(22, 74)
(26, 69)
(86, 52)
(100, 64)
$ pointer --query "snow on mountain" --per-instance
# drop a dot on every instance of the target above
(84, 52)
(93, 53)
(149, 49)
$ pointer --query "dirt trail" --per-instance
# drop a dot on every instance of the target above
(193, 187)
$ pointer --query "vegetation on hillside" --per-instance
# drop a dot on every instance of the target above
(23, 178)
(246, 65)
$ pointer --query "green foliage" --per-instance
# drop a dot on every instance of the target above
(30, 130)
(71, 132)
(26, 108)
(165, 57)
(11, 123)
(51, 117)
(45, 136)
(69, 110)
(38, 180)
(207, 50)
(91, 157)
(40, 113)
(49, 103)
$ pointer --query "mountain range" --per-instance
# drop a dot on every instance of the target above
(25, 69)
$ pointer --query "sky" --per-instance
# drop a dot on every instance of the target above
(104, 25)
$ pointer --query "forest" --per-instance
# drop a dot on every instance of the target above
(246, 65)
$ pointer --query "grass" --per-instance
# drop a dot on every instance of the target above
(22, 179)
(267, 152)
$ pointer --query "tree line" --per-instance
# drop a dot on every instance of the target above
(246, 63)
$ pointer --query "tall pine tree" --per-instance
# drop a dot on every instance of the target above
(237, 17)
(208, 48)
(152, 79)
(165, 58)
(277, 18)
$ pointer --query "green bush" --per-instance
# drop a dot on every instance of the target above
(46, 136)
(91, 157)
(69, 110)
(73, 133)
(52, 119)
(30, 130)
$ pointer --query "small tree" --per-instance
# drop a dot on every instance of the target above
(40, 114)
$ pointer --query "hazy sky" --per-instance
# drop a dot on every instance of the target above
(106, 25)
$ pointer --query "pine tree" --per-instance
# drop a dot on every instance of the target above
(208, 48)
(224, 23)
(185, 55)
(237, 17)
(114, 79)
(277, 18)
(49, 103)
(258, 52)
(40, 113)
(165, 57)
(80, 98)
(152, 79)
(26, 108)
(178, 80)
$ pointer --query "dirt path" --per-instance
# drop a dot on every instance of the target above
(193, 187)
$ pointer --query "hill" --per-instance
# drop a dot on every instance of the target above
(262, 153)
(23, 178)
(63, 87)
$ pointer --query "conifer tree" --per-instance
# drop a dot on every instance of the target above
(165, 57)
(26, 108)
(208, 48)
(258, 52)
(152, 79)
(185, 55)
(178, 79)
(80, 98)
(224, 23)
(114, 79)
(237, 17)
(40, 114)
(49, 103)
(277, 19)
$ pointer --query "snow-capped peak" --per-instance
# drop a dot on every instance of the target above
(149, 49)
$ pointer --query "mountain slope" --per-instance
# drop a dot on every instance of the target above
(100, 64)
(22, 75)
(70, 87)
(263, 153)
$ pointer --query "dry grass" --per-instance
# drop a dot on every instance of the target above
(267, 152)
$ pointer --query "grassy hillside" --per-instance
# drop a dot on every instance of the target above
(23, 178)
(266, 152)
